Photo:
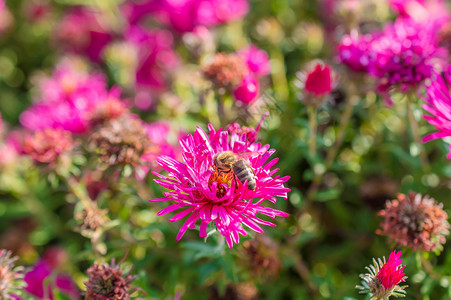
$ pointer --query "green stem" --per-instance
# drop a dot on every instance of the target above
(79, 190)
(302, 269)
(415, 132)
(278, 75)
(331, 155)
(313, 125)
(430, 269)
(221, 110)
(344, 121)
(38, 209)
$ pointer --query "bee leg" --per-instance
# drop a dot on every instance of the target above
(236, 180)
(221, 171)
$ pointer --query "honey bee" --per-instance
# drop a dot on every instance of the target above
(228, 161)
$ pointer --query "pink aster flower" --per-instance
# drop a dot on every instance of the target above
(238, 73)
(155, 56)
(57, 115)
(391, 272)
(247, 90)
(38, 10)
(404, 7)
(41, 281)
(438, 104)
(82, 31)
(158, 133)
(185, 15)
(11, 148)
(319, 81)
(406, 54)
(6, 18)
(215, 12)
(402, 55)
(250, 133)
(70, 81)
(8, 155)
(257, 60)
(354, 51)
(436, 11)
(68, 100)
(315, 83)
(202, 192)
(383, 278)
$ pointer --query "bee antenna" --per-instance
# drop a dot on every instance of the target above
(264, 116)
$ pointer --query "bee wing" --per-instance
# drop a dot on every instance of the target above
(247, 155)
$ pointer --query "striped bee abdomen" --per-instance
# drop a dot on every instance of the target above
(244, 172)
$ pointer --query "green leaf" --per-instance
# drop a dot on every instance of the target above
(228, 265)
(327, 195)
(60, 296)
(427, 286)
(201, 249)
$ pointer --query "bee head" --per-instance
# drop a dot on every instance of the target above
(224, 160)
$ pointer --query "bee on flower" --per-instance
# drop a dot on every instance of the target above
(215, 195)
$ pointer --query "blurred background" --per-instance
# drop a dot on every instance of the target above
(158, 58)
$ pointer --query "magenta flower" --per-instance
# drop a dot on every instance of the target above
(38, 10)
(35, 280)
(215, 12)
(402, 55)
(37, 285)
(69, 82)
(423, 10)
(185, 15)
(319, 81)
(391, 272)
(238, 73)
(57, 115)
(10, 149)
(250, 133)
(406, 54)
(8, 155)
(355, 52)
(438, 104)
(403, 7)
(204, 193)
(6, 18)
(247, 90)
(257, 60)
(315, 83)
(68, 99)
(155, 56)
(158, 133)
(383, 278)
(82, 31)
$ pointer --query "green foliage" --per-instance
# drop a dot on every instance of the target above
(329, 238)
